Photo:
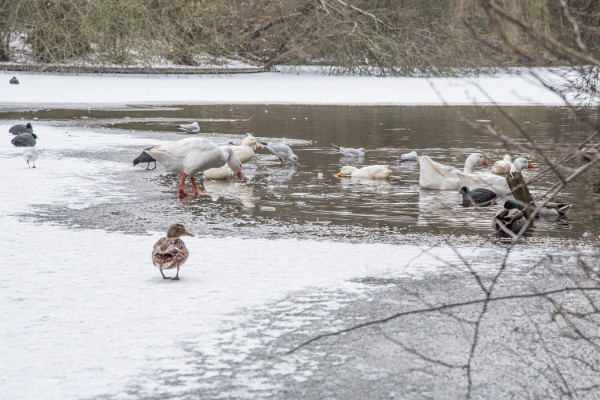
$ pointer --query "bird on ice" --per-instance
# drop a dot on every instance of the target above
(30, 154)
(24, 140)
(192, 155)
(170, 251)
(21, 128)
(189, 128)
(145, 158)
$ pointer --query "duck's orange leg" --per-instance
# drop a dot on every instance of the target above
(182, 191)
(196, 190)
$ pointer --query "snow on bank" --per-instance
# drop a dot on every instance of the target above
(274, 88)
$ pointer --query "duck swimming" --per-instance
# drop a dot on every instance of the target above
(434, 175)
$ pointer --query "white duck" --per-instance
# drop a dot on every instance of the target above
(502, 167)
(368, 172)
(244, 153)
(192, 155)
(492, 181)
(434, 175)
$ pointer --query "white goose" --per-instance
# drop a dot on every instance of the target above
(368, 172)
(492, 181)
(244, 153)
(502, 167)
(192, 155)
(434, 175)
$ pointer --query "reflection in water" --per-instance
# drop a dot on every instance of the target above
(230, 188)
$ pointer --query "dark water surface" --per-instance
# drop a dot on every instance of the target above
(307, 200)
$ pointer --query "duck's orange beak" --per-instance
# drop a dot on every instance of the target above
(257, 146)
(530, 165)
(188, 234)
(486, 163)
(338, 174)
(239, 175)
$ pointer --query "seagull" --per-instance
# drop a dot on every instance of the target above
(30, 154)
(192, 155)
(189, 128)
(24, 140)
(350, 152)
(412, 156)
(21, 128)
(281, 151)
(170, 251)
(145, 157)
(477, 197)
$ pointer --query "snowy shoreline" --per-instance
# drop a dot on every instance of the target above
(515, 88)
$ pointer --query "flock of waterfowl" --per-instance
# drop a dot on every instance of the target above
(192, 155)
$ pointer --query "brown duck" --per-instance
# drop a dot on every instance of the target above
(170, 252)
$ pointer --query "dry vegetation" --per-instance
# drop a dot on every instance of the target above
(363, 36)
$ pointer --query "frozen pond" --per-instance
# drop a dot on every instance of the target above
(288, 253)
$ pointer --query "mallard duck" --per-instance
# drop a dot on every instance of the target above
(21, 128)
(189, 128)
(434, 175)
(145, 157)
(478, 197)
(30, 154)
(502, 167)
(281, 151)
(170, 251)
(24, 140)
(192, 155)
(368, 172)
(510, 218)
(350, 152)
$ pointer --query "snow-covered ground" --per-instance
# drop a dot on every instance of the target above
(84, 312)
(515, 88)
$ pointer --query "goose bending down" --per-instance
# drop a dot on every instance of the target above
(170, 251)
(281, 151)
(368, 172)
(478, 197)
(21, 128)
(25, 140)
(30, 154)
(434, 175)
(145, 158)
(412, 156)
(510, 219)
(502, 167)
(350, 152)
(192, 155)
(189, 128)
(244, 152)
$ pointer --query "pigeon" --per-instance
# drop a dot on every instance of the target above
(281, 151)
(189, 128)
(24, 140)
(13, 81)
(350, 152)
(145, 157)
(21, 128)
